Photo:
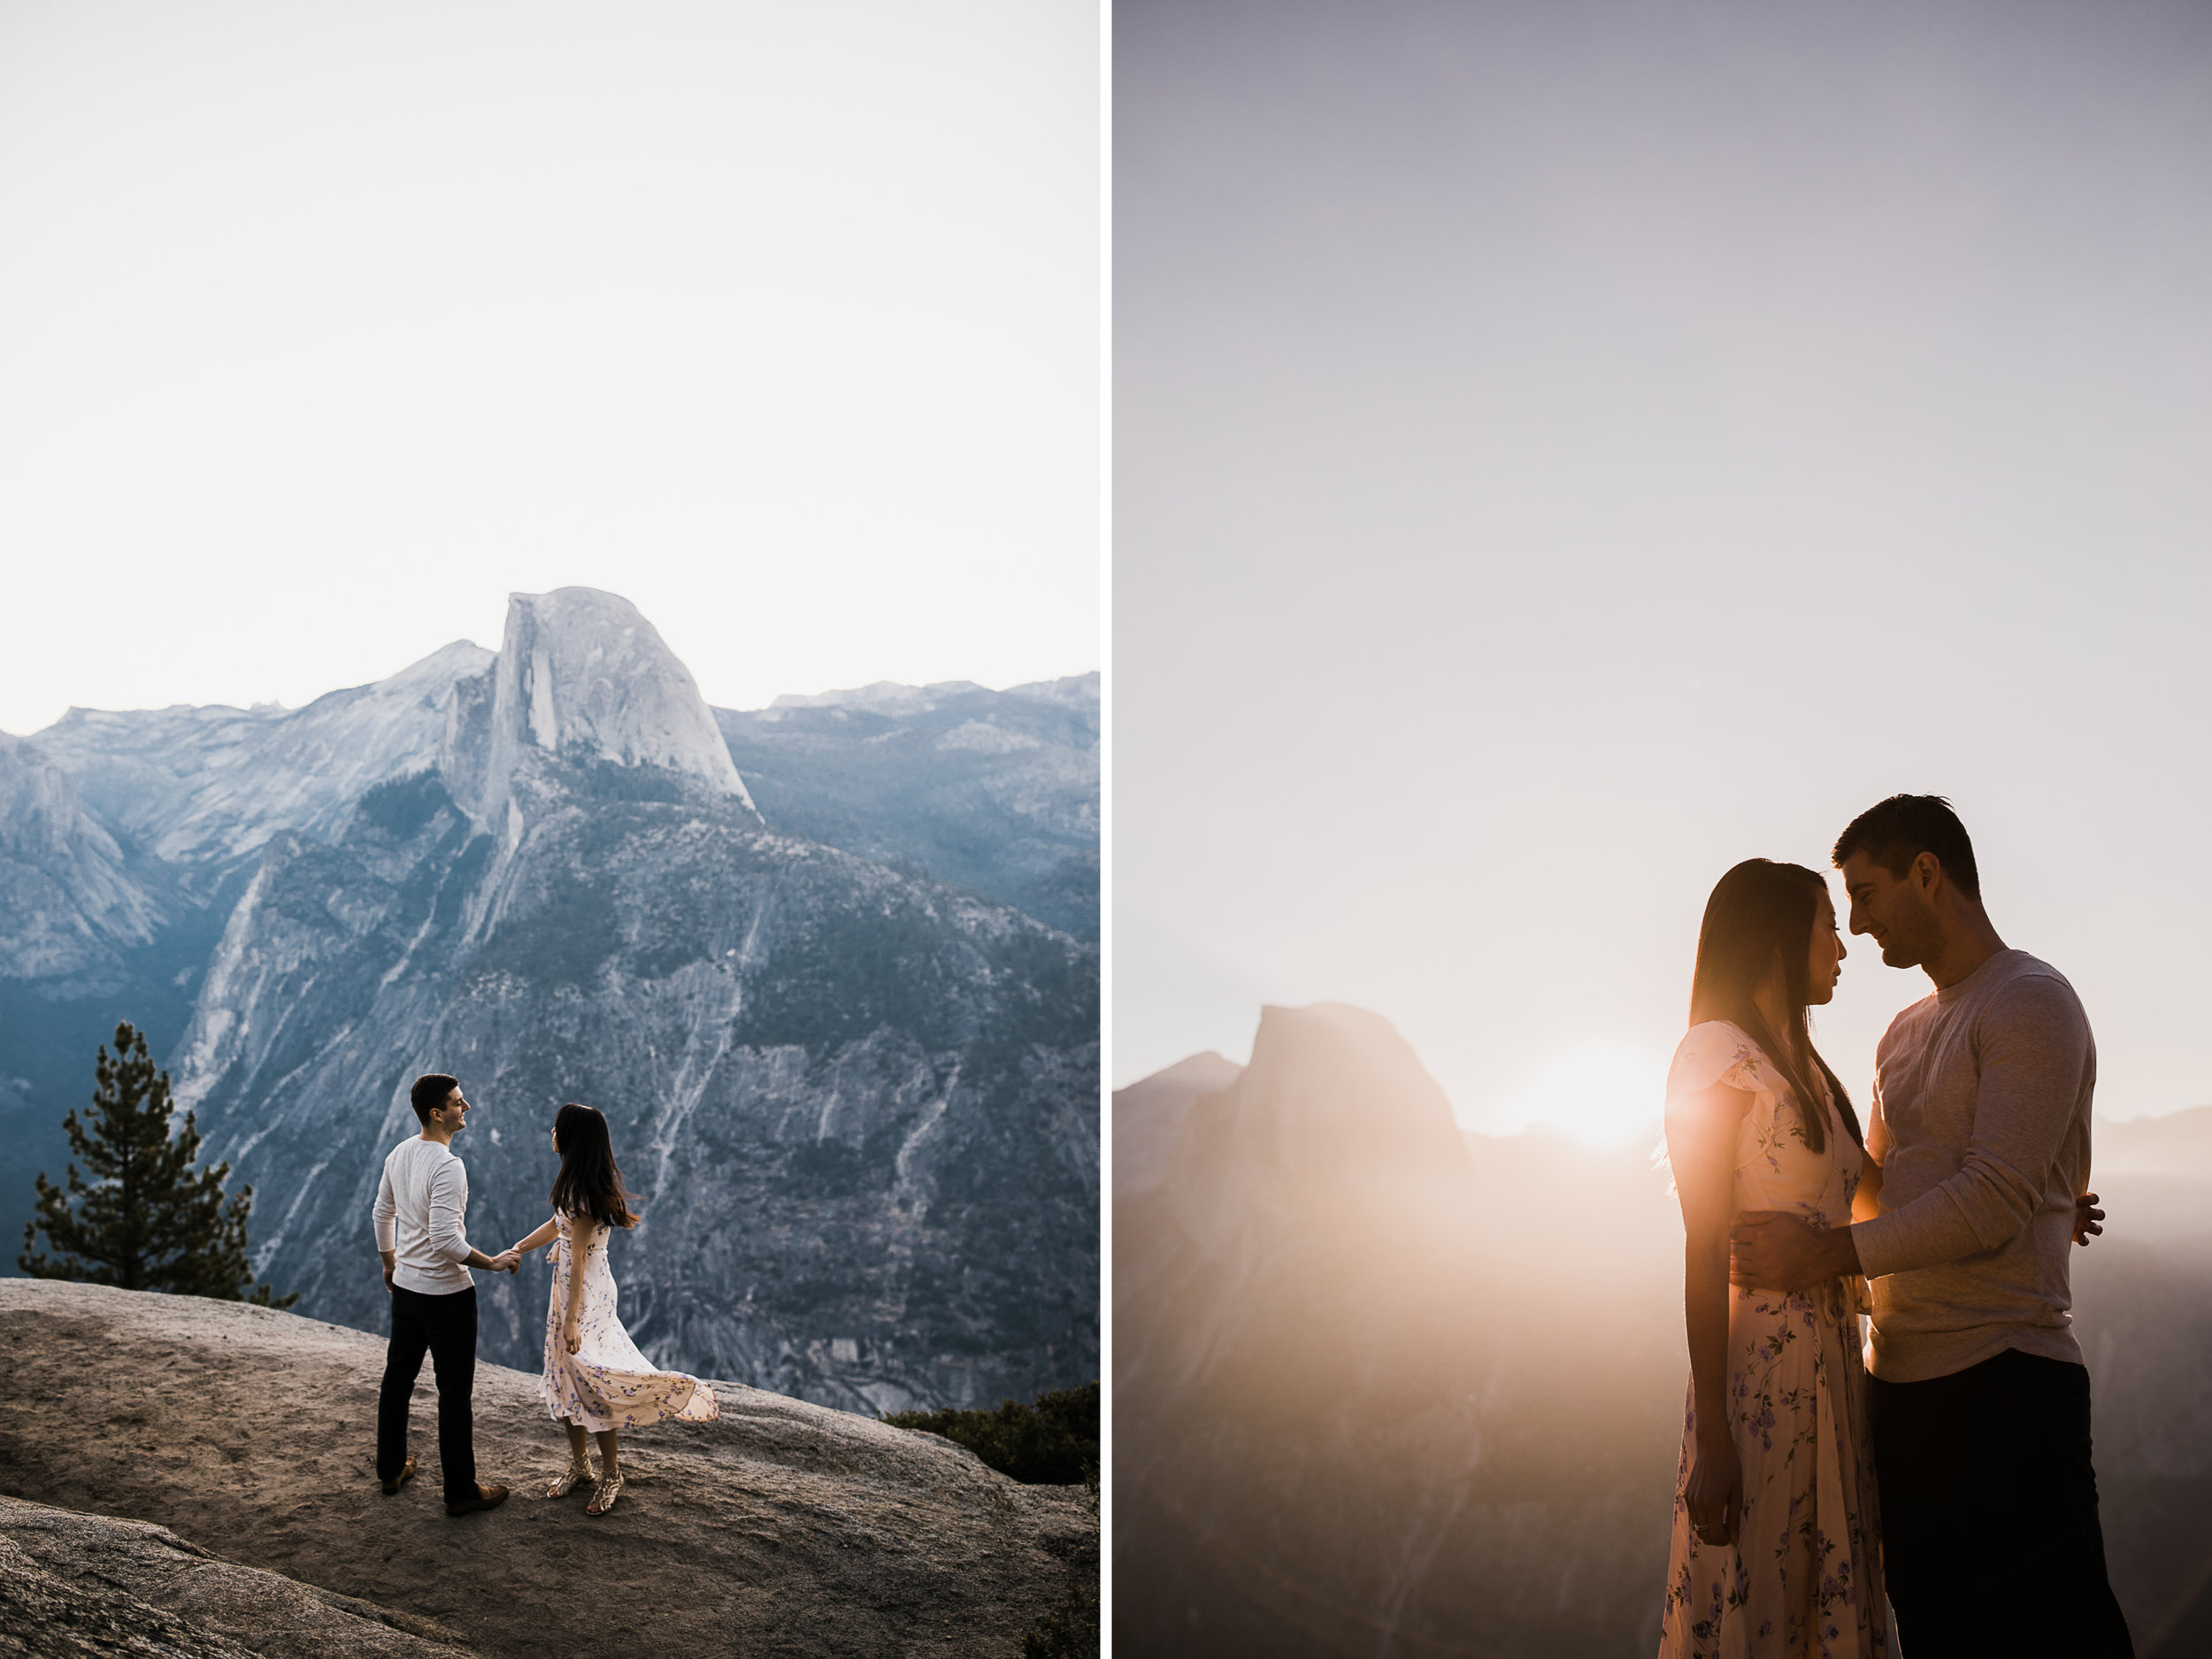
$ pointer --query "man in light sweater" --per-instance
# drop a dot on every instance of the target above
(420, 1216)
(1979, 1142)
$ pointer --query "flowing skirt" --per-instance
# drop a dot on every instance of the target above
(607, 1384)
(1804, 1578)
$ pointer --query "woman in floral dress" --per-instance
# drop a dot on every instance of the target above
(1776, 1548)
(595, 1380)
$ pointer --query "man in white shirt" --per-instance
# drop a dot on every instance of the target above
(1979, 1148)
(421, 1206)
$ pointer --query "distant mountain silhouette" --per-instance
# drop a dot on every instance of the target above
(2179, 1143)
(1352, 1412)
(1385, 1388)
(1149, 1119)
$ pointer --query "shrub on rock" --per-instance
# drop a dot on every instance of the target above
(1052, 1443)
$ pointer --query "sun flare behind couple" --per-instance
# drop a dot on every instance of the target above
(1947, 1475)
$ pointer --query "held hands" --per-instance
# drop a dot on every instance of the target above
(506, 1262)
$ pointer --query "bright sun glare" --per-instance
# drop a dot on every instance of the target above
(1607, 1093)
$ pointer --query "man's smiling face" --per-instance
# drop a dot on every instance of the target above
(453, 1112)
(1897, 912)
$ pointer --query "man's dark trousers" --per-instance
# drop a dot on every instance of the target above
(1990, 1537)
(445, 1328)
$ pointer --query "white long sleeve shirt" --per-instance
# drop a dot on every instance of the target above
(421, 1206)
(1981, 1126)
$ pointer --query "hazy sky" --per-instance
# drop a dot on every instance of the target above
(1561, 450)
(324, 327)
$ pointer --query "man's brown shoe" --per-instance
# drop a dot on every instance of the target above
(486, 1498)
(406, 1473)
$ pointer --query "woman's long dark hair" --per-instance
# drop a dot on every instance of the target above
(590, 1181)
(1761, 913)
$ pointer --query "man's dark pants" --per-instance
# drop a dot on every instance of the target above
(1990, 1538)
(445, 1328)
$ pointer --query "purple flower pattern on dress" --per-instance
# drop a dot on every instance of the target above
(1804, 1577)
(607, 1384)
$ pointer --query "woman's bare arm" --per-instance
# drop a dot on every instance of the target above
(581, 1229)
(539, 1239)
(1701, 1131)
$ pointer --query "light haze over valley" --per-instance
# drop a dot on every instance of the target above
(1330, 1301)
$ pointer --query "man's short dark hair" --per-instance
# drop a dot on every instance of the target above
(1897, 831)
(431, 1092)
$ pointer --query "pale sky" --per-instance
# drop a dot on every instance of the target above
(1561, 450)
(325, 326)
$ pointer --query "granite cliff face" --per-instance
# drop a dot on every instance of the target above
(206, 786)
(582, 683)
(241, 1442)
(74, 1586)
(1346, 1419)
(996, 791)
(89, 924)
(72, 906)
(859, 1104)
(1149, 1115)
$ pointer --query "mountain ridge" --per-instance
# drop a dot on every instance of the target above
(1445, 1414)
(211, 784)
(995, 791)
(871, 1089)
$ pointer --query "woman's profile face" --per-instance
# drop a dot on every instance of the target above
(557, 1134)
(1826, 966)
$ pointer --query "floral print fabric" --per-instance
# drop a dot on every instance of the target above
(607, 1384)
(1804, 1577)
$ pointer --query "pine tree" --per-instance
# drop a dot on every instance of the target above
(147, 1220)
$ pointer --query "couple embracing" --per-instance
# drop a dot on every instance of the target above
(595, 1381)
(1947, 1476)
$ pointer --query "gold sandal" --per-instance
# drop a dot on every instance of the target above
(570, 1476)
(604, 1494)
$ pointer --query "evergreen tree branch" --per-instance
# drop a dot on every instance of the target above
(148, 1218)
